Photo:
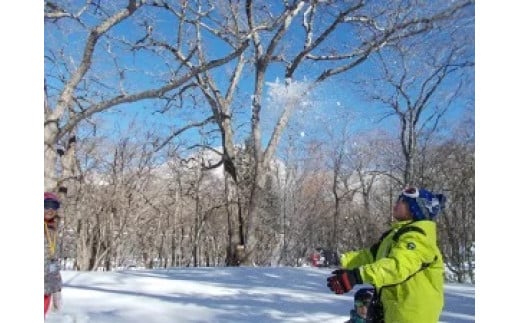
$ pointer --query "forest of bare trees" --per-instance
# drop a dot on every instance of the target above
(192, 133)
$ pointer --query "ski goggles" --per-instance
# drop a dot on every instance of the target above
(362, 303)
(51, 204)
(410, 192)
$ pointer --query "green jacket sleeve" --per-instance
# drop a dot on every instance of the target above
(405, 259)
(354, 259)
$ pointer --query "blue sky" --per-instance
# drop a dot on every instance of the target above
(336, 96)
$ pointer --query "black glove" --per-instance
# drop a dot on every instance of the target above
(344, 280)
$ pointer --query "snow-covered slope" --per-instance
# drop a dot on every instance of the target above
(244, 294)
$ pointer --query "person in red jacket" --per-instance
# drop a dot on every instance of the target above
(52, 277)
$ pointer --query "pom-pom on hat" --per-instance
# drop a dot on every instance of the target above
(423, 204)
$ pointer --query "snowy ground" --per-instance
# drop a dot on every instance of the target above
(242, 294)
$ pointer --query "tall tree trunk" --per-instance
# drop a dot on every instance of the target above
(50, 156)
(233, 225)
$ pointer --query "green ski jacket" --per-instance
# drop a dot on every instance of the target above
(407, 270)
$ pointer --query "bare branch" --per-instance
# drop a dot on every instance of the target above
(153, 93)
(181, 130)
(54, 12)
(65, 98)
(310, 46)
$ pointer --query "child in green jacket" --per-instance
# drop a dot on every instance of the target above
(405, 265)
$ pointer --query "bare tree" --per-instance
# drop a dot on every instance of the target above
(75, 92)
(319, 20)
(140, 216)
(451, 168)
(419, 85)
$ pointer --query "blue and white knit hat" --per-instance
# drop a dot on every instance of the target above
(423, 204)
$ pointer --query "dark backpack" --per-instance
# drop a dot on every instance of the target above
(375, 312)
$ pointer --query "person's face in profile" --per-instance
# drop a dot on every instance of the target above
(401, 210)
(362, 308)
